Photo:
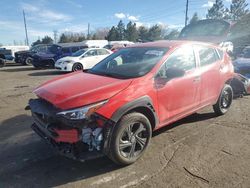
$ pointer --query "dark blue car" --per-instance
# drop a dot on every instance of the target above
(53, 52)
(242, 64)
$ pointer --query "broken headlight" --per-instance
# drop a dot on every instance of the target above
(81, 113)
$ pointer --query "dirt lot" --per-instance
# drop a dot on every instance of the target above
(199, 151)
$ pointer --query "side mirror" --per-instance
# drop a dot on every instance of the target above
(174, 72)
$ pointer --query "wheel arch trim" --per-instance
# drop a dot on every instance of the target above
(144, 102)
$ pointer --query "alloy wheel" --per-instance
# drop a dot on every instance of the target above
(133, 140)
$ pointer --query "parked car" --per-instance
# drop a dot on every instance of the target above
(242, 63)
(2, 62)
(210, 30)
(8, 52)
(241, 81)
(240, 85)
(113, 108)
(5, 54)
(47, 59)
(82, 59)
(25, 57)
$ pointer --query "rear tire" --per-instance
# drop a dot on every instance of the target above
(77, 67)
(225, 100)
(130, 138)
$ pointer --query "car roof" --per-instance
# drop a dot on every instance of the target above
(169, 43)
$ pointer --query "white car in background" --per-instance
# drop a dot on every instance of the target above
(82, 59)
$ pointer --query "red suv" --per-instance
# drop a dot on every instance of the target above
(113, 108)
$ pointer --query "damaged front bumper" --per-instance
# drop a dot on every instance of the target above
(79, 140)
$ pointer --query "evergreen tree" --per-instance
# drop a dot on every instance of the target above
(194, 19)
(63, 38)
(216, 11)
(38, 41)
(172, 35)
(47, 40)
(154, 33)
(238, 9)
(112, 34)
(143, 33)
(131, 32)
(121, 30)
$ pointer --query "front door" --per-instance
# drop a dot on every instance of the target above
(178, 96)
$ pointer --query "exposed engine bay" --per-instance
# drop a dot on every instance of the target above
(80, 140)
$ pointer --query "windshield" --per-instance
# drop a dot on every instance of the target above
(129, 62)
(205, 28)
(79, 53)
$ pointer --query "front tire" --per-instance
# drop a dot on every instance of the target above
(130, 138)
(28, 61)
(77, 67)
(225, 100)
(2, 63)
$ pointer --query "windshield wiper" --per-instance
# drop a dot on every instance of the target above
(113, 75)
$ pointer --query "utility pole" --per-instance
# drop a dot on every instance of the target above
(25, 27)
(55, 36)
(186, 17)
(88, 31)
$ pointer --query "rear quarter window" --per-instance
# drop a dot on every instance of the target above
(207, 55)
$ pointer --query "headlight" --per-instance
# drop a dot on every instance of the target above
(81, 113)
(68, 62)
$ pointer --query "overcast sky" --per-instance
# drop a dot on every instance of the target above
(44, 16)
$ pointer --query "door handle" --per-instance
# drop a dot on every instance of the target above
(196, 79)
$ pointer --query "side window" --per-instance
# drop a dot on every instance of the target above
(207, 55)
(102, 52)
(91, 53)
(182, 58)
(66, 50)
(74, 49)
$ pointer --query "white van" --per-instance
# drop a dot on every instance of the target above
(95, 43)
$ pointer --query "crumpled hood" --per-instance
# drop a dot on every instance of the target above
(68, 58)
(80, 89)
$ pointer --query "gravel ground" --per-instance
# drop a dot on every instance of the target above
(199, 151)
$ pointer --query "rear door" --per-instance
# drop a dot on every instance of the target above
(178, 96)
(210, 68)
